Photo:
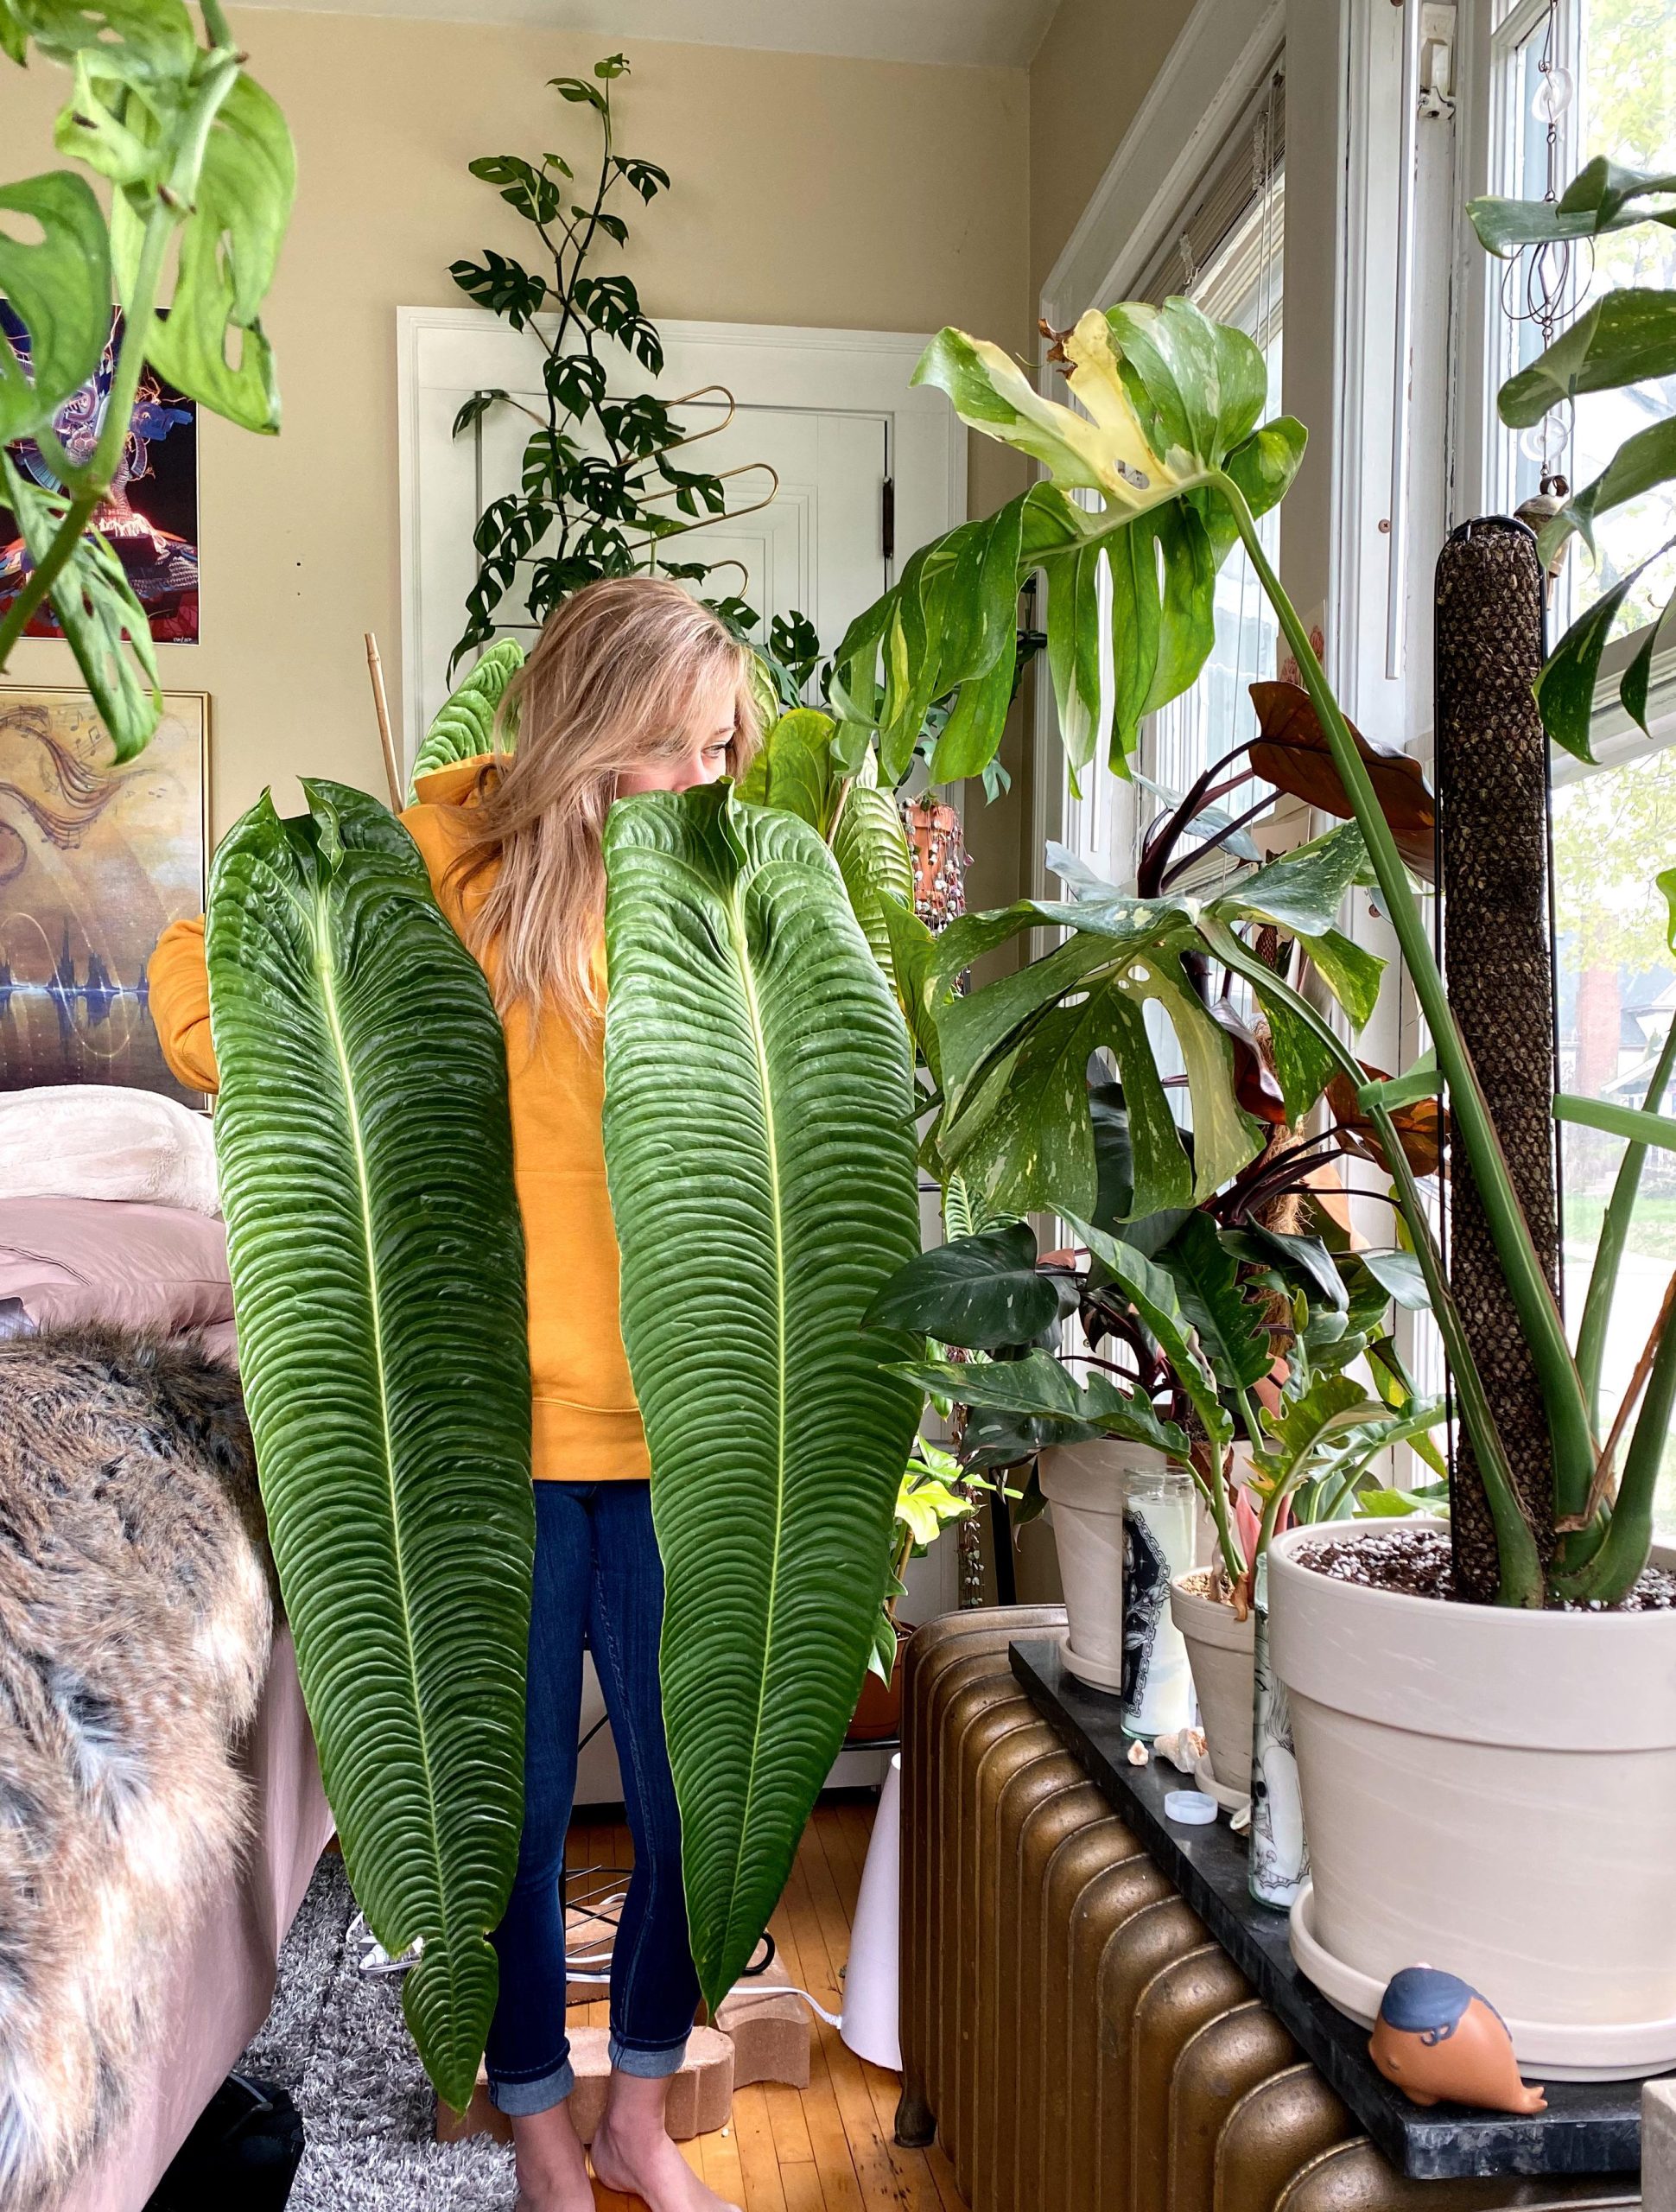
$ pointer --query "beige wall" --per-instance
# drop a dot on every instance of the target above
(1090, 74)
(807, 190)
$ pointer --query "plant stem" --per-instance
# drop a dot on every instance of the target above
(1528, 1285)
(1520, 1582)
(1522, 1572)
(1614, 1571)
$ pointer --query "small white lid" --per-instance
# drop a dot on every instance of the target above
(1190, 1807)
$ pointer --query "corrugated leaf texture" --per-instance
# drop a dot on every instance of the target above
(377, 1268)
(758, 1135)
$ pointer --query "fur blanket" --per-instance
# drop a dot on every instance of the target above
(136, 1617)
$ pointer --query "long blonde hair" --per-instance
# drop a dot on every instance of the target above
(609, 684)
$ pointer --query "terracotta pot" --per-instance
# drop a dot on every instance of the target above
(1084, 1484)
(1491, 1793)
(1221, 1650)
(877, 1716)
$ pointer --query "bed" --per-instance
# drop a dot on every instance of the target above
(107, 1217)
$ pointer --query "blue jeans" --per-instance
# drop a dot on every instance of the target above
(598, 1581)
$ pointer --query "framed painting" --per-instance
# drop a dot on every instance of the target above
(149, 516)
(96, 862)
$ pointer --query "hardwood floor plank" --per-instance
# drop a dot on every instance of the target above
(840, 2191)
(936, 2163)
(758, 2160)
(786, 2123)
(828, 2148)
(723, 2171)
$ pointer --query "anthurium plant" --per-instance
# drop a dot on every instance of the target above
(201, 174)
(1168, 440)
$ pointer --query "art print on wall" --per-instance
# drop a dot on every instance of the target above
(95, 862)
(150, 513)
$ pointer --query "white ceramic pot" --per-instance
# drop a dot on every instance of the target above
(1492, 1793)
(1221, 1650)
(1084, 1484)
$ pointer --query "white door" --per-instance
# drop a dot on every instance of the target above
(830, 413)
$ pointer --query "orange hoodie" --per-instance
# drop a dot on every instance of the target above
(587, 1424)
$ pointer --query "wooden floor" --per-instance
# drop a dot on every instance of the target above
(827, 2148)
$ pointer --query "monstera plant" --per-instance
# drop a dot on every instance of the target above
(759, 1142)
(201, 165)
(1167, 440)
(377, 1268)
(1171, 420)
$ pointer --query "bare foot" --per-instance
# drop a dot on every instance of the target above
(552, 2169)
(632, 2152)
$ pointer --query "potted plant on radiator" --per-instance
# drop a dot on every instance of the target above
(1505, 1767)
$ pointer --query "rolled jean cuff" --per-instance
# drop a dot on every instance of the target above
(647, 2065)
(517, 2099)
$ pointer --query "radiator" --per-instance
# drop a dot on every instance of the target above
(1070, 2031)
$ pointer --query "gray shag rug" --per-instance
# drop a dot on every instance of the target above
(336, 2039)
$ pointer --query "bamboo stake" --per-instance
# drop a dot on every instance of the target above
(375, 671)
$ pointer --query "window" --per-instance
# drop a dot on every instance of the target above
(1242, 285)
(1590, 77)
(1599, 77)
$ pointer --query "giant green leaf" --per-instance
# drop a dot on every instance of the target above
(758, 1140)
(464, 723)
(377, 1268)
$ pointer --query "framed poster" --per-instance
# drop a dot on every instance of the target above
(150, 513)
(95, 862)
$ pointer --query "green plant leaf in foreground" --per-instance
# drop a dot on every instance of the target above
(978, 1292)
(1039, 1388)
(60, 287)
(377, 1267)
(758, 1127)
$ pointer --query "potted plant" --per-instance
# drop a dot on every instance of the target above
(1504, 1767)
(937, 1493)
(1212, 1344)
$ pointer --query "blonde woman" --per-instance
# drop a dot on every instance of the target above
(632, 687)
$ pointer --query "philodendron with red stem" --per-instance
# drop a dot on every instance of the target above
(1168, 438)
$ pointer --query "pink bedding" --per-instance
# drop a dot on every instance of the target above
(143, 1267)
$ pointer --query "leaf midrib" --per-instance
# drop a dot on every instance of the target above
(323, 969)
(759, 1045)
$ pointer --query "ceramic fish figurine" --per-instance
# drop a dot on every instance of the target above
(1436, 2037)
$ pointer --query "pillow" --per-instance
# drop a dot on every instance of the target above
(65, 1261)
(101, 1140)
